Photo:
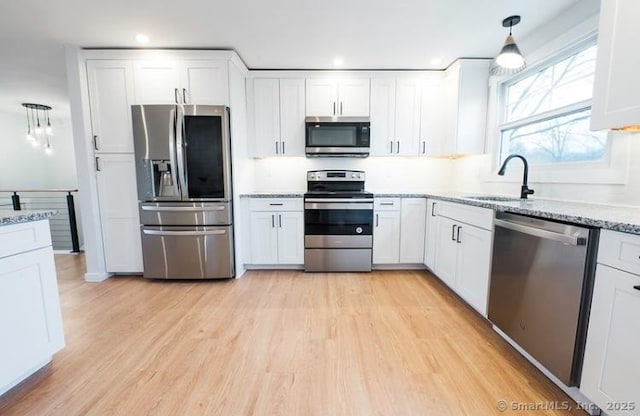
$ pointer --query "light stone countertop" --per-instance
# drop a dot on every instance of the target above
(8, 217)
(293, 194)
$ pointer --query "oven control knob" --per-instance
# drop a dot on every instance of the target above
(358, 230)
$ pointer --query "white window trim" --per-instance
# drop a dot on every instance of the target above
(613, 170)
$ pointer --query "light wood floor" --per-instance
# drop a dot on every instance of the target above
(276, 343)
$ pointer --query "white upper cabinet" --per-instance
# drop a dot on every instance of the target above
(408, 96)
(431, 122)
(182, 81)
(278, 107)
(205, 82)
(464, 109)
(616, 94)
(395, 116)
(326, 97)
(110, 97)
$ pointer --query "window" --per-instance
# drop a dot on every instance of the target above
(547, 113)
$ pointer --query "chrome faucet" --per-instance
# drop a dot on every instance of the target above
(524, 190)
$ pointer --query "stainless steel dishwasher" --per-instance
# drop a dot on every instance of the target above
(541, 285)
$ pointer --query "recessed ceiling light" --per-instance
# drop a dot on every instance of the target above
(436, 61)
(338, 62)
(142, 38)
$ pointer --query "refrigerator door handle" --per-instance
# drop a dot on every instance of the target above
(180, 143)
(172, 153)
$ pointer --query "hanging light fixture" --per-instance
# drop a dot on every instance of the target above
(35, 132)
(510, 59)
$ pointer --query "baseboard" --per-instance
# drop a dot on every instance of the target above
(96, 277)
(274, 266)
(412, 266)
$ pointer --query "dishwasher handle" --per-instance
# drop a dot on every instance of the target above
(538, 232)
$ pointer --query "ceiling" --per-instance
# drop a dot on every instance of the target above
(293, 34)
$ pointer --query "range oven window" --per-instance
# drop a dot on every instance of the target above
(338, 221)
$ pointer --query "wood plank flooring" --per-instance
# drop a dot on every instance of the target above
(276, 343)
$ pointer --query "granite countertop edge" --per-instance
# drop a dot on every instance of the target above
(272, 194)
(9, 217)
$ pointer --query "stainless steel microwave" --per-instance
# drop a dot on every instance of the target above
(337, 136)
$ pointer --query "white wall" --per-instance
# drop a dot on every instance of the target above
(24, 167)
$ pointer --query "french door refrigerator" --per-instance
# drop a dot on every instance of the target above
(183, 169)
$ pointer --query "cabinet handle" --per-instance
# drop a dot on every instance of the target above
(334, 108)
(98, 163)
(283, 147)
(276, 147)
(390, 146)
(637, 287)
(273, 221)
(398, 148)
(458, 236)
(175, 95)
(340, 107)
(280, 220)
(184, 95)
(376, 220)
(433, 209)
(453, 232)
(424, 147)
(386, 203)
(274, 204)
(95, 142)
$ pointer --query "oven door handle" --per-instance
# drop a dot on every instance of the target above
(181, 209)
(183, 233)
(537, 232)
(330, 200)
(333, 205)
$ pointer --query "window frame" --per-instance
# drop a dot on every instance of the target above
(612, 170)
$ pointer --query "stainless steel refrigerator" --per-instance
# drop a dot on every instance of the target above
(183, 169)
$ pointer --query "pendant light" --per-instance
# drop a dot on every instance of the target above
(510, 59)
(35, 131)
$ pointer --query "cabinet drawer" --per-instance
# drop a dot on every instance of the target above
(17, 238)
(386, 204)
(620, 250)
(276, 204)
(480, 217)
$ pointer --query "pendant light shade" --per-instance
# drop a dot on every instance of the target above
(35, 131)
(510, 59)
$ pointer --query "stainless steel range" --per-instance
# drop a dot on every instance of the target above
(338, 222)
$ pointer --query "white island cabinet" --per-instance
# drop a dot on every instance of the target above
(30, 318)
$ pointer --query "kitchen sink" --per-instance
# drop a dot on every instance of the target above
(495, 198)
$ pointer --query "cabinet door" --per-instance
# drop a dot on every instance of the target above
(119, 213)
(292, 134)
(446, 258)
(267, 116)
(474, 260)
(290, 238)
(383, 116)
(431, 128)
(412, 228)
(110, 98)
(407, 117)
(29, 314)
(264, 238)
(386, 237)
(616, 94)
(431, 235)
(157, 82)
(205, 82)
(321, 97)
(353, 97)
(611, 361)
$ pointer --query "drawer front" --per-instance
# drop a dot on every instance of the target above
(386, 204)
(17, 238)
(276, 204)
(620, 250)
(479, 217)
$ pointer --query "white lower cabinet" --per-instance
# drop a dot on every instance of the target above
(611, 368)
(463, 245)
(118, 200)
(398, 230)
(277, 234)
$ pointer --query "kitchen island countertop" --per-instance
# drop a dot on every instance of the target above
(8, 217)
